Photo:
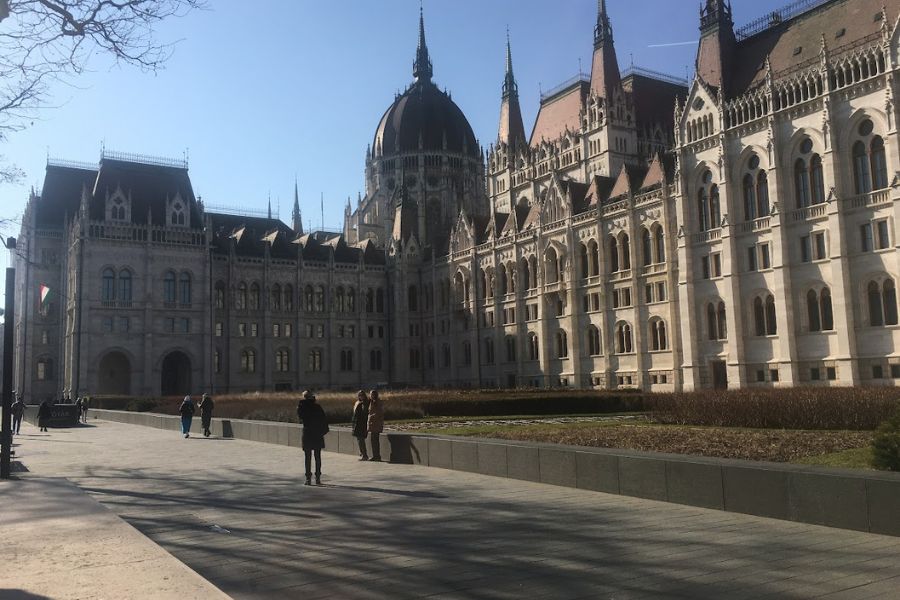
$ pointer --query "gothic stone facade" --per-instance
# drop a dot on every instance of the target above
(738, 231)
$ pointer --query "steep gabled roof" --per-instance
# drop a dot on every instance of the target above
(598, 191)
(560, 112)
(61, 194)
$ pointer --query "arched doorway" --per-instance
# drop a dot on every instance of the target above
(114, 375)
(176, 374)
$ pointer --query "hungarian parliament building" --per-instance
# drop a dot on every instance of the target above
(736, 230)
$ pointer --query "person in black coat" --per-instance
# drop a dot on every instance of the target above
(206, 409)
(43, 414)
(315, 426)
(360, 424)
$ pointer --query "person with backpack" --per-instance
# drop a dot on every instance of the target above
(315, 427)
(18, 411)
(187, 415)
(206, 409)
(376, 424)
(359, 425)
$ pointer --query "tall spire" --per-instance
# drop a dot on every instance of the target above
(510, 88)
(270, 206)
(603, 29)
(605, 67)
(422, 66)
(297, 222)
(512, 129)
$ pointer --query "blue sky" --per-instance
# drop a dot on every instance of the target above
(297, 87)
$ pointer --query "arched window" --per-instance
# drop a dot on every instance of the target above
(583, 261)
(594, 258)
(709, 215)
(562, 344)
(862, 175)
(346, 359)
(169, 291)
(379, 299)
(125, 286)
(308, 298)
(646, 247)
(288, 297)
(467, 353)
(658, 339)
(749, 198)
(533, 347)
(184, 289)
(351, 300)
(716, 327)
(623, 338)
(889, 299)
(314, 360)
(762, 194)
(879, 163)
(876, 312)
(44, 368)
(826, 310)
(283, 360)
(488, 351)
(660, 243)
(240, 300)
(593, 341)
(816, 179)
(502, 280)
(375, 360)
(720, 314)
(764, 318)
(526, 274)
(109, 285)
(551, 265)
(320, 299)
(413, 298)
(220, 294)
(254, 296)
(801, 184)
(812, 309)
(613, 254)
(625, 251)
(248, 361)
(703, 210)
(275, 297)
(339, 300)
(370, 300)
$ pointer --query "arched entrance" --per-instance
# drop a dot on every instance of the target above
(114, 375)
(176, 374)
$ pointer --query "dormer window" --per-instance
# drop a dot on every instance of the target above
(118, 210)
(177, 214)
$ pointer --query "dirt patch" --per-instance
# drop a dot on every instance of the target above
(766, 445)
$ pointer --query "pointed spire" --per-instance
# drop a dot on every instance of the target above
(422, 69)
(270, 205)
(297, 221)
(603, 29)
(605, 75)
(510, 88)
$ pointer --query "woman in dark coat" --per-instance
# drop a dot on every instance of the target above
(315, 426)
(360, 429)
(43, 414)
(206, 408)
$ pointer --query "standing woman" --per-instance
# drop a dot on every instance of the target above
(187, 415)
(43, 414)
(376, 424)
(360, 415)
(206, 408)
(315, 426)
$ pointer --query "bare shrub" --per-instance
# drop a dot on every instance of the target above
(861, 408)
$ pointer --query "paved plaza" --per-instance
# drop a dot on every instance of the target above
(236, 513)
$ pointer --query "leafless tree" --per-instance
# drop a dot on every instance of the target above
(42, 41)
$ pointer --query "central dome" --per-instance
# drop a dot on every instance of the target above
(425, 119)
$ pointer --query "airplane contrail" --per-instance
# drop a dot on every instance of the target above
(692, 42)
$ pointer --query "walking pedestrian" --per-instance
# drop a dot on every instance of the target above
(206, 409)
(359, 424)
(315, 427)
(187, 415)
(78, 403)
(376, 424)
(85, 402)
(18, 411)
(43, 414)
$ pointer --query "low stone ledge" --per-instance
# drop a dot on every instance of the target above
(847, 499)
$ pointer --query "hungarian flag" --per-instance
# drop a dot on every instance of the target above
(45, 292)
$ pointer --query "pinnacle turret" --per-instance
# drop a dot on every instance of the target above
(605, 75)
(510, 88)
(512, 128)
(296, 217)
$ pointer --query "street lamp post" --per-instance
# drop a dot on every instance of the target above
(8, 330)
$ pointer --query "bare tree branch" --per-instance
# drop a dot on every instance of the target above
(42, 41)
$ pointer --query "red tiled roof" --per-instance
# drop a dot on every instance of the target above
(560, 112)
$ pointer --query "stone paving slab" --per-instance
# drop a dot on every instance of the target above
(237, 513)
(60, 543)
